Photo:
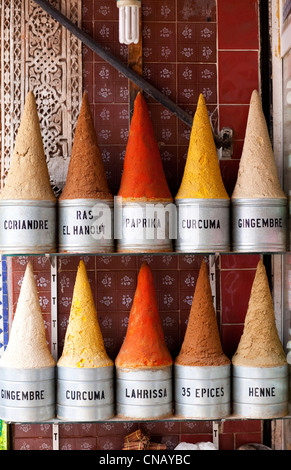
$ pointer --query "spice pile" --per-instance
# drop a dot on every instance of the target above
(260, 345)
(27, 347)
(257, 174)
(144, 345)
(84, 346)
(143, 176)
(202, 177)
(86, 177)
(202, 345)
(139, 440)
(28, 177)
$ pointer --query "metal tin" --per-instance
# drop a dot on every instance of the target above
(259, 225)
(203, 225)
(85, 226)
(27, 226)
(144, 393)
(260, 392)
(27, 395)
(202, 392)
(145, 226)
(85, 394)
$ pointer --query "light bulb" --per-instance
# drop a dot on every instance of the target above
(128, 21)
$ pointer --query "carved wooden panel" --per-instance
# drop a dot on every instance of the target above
(40, 55)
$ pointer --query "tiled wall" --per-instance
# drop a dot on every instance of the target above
(189, 47)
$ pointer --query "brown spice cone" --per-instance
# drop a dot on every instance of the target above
(202, 346)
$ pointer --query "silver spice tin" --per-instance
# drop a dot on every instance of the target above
(85, 226)
(203, 225)
(27, 395)
(259, 225)
(85, 394)
(27, 226)
(260, 392)
(144, 393)
(144, 226)
(202, 392)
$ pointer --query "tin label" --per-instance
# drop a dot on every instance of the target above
(259, 227)
(85, 225)
(196, 392)
(24, 394)
(260, 391)
(85, 394)
(202, 227)
(145, 225)
(27, 227)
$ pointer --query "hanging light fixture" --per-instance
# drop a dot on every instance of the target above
(128, 21)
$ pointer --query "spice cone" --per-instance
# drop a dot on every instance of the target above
(27, 347)
(143, 175)
(84, 346)
(260, 345)
(144, 345)
(201, 345)
(202, 176)
(257, 174)
(86, 178)
(28, 177)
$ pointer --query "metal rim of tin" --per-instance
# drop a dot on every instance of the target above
(140, 245)
(70, 376)
(259, 202)
(213, 245)
(95, 246)
(260, 408)
(23, 248)
(144, 377)
(29, 375)
(249, 243)
(213, 408)
(34, 411)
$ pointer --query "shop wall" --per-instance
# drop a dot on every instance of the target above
(189, 47)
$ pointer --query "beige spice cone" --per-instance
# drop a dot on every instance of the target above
(257, 174)
(28, 176)
(260, 345)
(27, 346)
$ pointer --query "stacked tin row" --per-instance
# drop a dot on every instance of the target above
(143, 217)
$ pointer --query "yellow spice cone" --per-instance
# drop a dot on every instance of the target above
(84, 346)
(257, 174)
(202, 176)
(27, 347)
(28, 177)
(260, 345)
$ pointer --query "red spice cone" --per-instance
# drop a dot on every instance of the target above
(143, 174)
(86, 174)
(202, 346)
(144, 344)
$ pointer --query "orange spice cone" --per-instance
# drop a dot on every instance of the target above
(86, 174)
(144, 344)
(143, 174)
(141, 225)
(202, 345)
(144, 364)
